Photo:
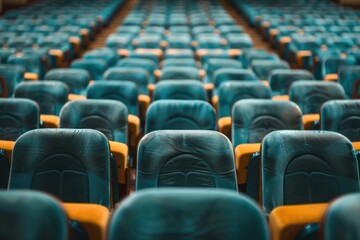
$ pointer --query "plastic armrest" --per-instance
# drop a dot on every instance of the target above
(301, 55)
(309, 119)
(134, 129)
(272, 35)
(234, 52)
(243, 154)
(31, 76)
(356, 145)
(151, 88)
(283, 43)
(86, 35)
(287, 221)
(224, 126)
(92, 217)
(265, 82)
(202, 73)
(157, 74)
(50, 121)
(144, 102)
(215, 102)
(76, 42)
(123, 52)
(155, 51)
(281, 98)
(120, 153)
(59, 55)
(8, 147)
(331, 77)
(72, 97)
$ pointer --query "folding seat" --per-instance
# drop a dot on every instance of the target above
(10, 76)
(313, 167)
(76, 79)
(179, 41)
(46, 29)
(349, 79)
(228, 215)
(32, 63)
(178, 53)
(179, 29)
(180, 89)
(197, 158)
(230, 29)
(251, 55)
(340, 221)
(181, 62)
(95, 67)
(190, 73)
(128, 29)
(146, 64)
(180, 114)
(280, 80)
(301, 50)
(117, 42)
(19, 43)
(263, 68)
(218, 63)
(210, 41)
(150, 55)
(328, 66)
(341, 116)
(239, 41)
(202, 29)
(226, 74)
(151, 41)
(153, 30)
(59, 48)
(339, 29)
(340, 43)
(22, 209)
(49, 95)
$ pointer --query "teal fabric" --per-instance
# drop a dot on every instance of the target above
(180, 89)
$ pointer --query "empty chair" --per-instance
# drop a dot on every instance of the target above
(106, 54)
(123, 91)
(218, 63)
(300, 167)
(201, 214)
(180, 114)
(95, 67)
(186, 158)
(349, 78)
(180, 89)
(263, 68)
(231, 91)
(50, 95)
(340, 221)
(70, 164)
(146, 64)
(225, 74)
(311, 95)
(190, 73)
(342, 116)
(32, 63)
(281, 79)
(253, 119)
(32, 215)
(76, 79)
(106, 116)
(10, 76)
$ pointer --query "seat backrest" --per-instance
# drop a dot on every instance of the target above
(188, 214)
(32, 215)
(253, 119)
(180, 114)
(227, 74)
(95, 67)
(49, 95)
(190, 73)
(300, 167)
(123, 91)
(107, 116)
(186, 158)
(263, 68)
(281, 79)
(342, 116)
(137, 75)
(230, 92)
(340, 221)
(72, 164)
(349, 78)
(76, 79)
(17, 116)
(10, 76)
(180, 89)
(311, 95)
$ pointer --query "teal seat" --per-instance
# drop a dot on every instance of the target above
(31, 215)
(180, 89)
(188, 214)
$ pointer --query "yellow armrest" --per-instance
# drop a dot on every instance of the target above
(144, 102)
(8, 147)
(31, 76)
(331, 77)
(72, 97)
(215, 102)
(134, 129)
(120, 152)
(287, 221)
(243, 153)
(224, 126)
(92, 217)
(281, 98)
(59, 56)
(50, 121)
(309, 119)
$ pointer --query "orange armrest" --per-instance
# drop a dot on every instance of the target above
(123, 52)
(72, 97)
(234, 52)
(243, 153)
(157, 74)
(331, 77)
(134, 129)
(92, 217)
(8, 147)
(285, 40)
(356, 145)
(309, 119)
(120, 152)
(209, 86)
(31, 76)
(224, 126)
(58, 54)
(50, 121)
(202, 73)
(265, 82)
(84, 32)
(144, 102)
(215, 101)
(287, 221)
(151, 88)
(155, 51)
(281, 98)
